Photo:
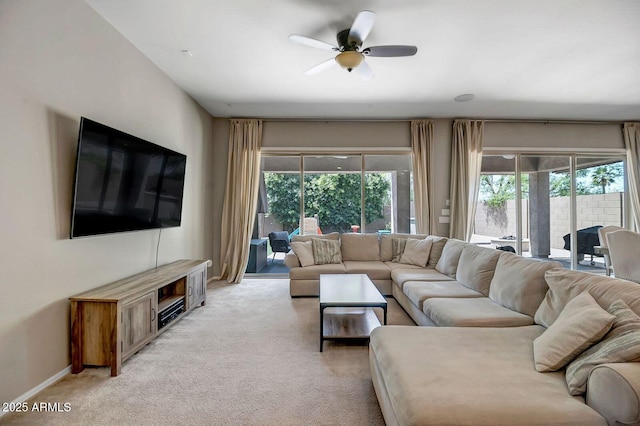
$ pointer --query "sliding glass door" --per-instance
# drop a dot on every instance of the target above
(319, 194)
(332, 194)
(546, 202)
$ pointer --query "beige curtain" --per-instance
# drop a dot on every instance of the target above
(632, 143)
(241, 197)
(422, 152)
(466, 161)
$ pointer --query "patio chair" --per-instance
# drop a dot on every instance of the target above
(623, 246)
(602, 236)
(279, 242)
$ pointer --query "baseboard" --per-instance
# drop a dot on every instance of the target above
(28, 394)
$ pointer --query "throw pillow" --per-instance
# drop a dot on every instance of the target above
(326, 251)
(621, 344)
(397, 248)
(304, 251)
(437, 245)
(564, 285)
(416, 252)
(581, 323)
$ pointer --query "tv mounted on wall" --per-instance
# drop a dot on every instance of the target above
(124, 183)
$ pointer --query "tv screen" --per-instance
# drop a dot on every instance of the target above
(124, 183)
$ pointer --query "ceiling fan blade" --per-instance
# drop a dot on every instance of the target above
(361, 27)
(308, 41)
(390, 51)
(364, 71)
(321, 66)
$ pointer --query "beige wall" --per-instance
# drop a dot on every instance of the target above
(338, 135)
(600, 137)
(60, 61)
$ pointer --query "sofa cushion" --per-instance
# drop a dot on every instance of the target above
(448, 262)
(581, 323)
(360, 247)
(419, 291)
(518, 283)
(398, 265)
(386, 249)
(472, 312)
(400, 276)
(313, 272)
(476, 267)
(416, 252)
(332, 236)
(471, 376)
(304, 251)
(620, 344)
(326, 251)
(375, 270)
(564, 285)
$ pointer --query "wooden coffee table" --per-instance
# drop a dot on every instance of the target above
(346, 307)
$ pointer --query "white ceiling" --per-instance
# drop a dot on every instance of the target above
(543, 59)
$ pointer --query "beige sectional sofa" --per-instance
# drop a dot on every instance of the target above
(474, 363)
(361, 254)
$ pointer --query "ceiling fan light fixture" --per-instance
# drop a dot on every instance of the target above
(349, 59)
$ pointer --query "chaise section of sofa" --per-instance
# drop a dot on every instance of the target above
(469, 376)
(487, 375)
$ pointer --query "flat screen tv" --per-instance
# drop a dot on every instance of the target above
(124, 183)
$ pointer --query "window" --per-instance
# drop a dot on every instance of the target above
(307, 194)
(558, 198)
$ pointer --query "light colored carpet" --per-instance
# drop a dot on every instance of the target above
(249, 357)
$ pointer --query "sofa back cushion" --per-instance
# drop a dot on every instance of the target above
(360, 247)
(476, 267)
(386, 248)
(564, 285)
(302, 238)
(518, 283)
(448, 262)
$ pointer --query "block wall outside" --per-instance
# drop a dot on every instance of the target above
(592, 210)
(501, 221)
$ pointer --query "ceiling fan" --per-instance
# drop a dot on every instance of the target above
(351, 56)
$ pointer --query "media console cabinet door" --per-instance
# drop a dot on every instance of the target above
(197, 287)
(138, 323)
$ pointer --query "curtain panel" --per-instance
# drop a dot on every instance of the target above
(632, 144)
(422, 154)
(241, 197)
(466, 162)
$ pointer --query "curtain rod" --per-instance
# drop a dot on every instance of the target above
(506, 120)
(339, 120)
(408, 120)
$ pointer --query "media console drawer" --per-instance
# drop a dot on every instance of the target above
(114, 321)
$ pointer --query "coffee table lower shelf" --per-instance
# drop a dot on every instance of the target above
(347, 323)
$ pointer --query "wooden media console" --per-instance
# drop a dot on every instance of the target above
(114, 321)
